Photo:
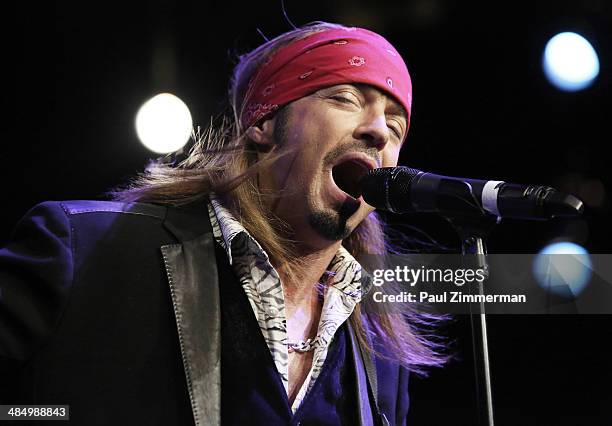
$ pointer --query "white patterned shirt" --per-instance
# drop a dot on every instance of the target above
(264, 291)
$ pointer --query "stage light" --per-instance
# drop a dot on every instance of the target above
(563, 268)
(163, 123)
(570, 62)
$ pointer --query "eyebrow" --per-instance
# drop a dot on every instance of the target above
(395, 107)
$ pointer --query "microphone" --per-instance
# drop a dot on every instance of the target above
(407, 190)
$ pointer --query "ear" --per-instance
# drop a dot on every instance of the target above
(262, 133)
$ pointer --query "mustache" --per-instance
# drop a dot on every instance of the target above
(357, 146)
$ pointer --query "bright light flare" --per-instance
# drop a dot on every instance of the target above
(163, 123)
(570, 62)
(563, 268)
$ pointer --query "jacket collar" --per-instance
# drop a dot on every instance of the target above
(188, 222)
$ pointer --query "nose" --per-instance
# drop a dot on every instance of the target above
(373, 129)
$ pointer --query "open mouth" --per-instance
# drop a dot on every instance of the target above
(347, 176)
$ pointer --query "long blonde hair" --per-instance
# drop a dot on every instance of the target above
(224, 161)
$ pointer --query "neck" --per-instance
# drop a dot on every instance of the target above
(302, 304)
(314, 263)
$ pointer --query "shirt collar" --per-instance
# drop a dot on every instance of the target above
(226, 228)
(346, 272)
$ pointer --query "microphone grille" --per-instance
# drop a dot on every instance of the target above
(388, 188)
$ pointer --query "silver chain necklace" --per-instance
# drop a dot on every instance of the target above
(301, 345)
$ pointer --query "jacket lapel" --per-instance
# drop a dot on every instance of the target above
(191, 269)
(365, 371)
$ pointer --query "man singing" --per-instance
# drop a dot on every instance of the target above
(228, 289)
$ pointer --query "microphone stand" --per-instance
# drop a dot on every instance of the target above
(473, 234)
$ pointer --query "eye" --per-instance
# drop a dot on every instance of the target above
(396, 131)
(346, 98)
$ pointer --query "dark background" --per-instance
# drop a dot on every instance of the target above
(77, 73)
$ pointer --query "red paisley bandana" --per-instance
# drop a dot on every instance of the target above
(327, 58)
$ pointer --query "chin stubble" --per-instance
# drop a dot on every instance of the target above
(332, 225)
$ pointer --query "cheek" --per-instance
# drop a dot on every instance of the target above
(390, 155)
(295, 170)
